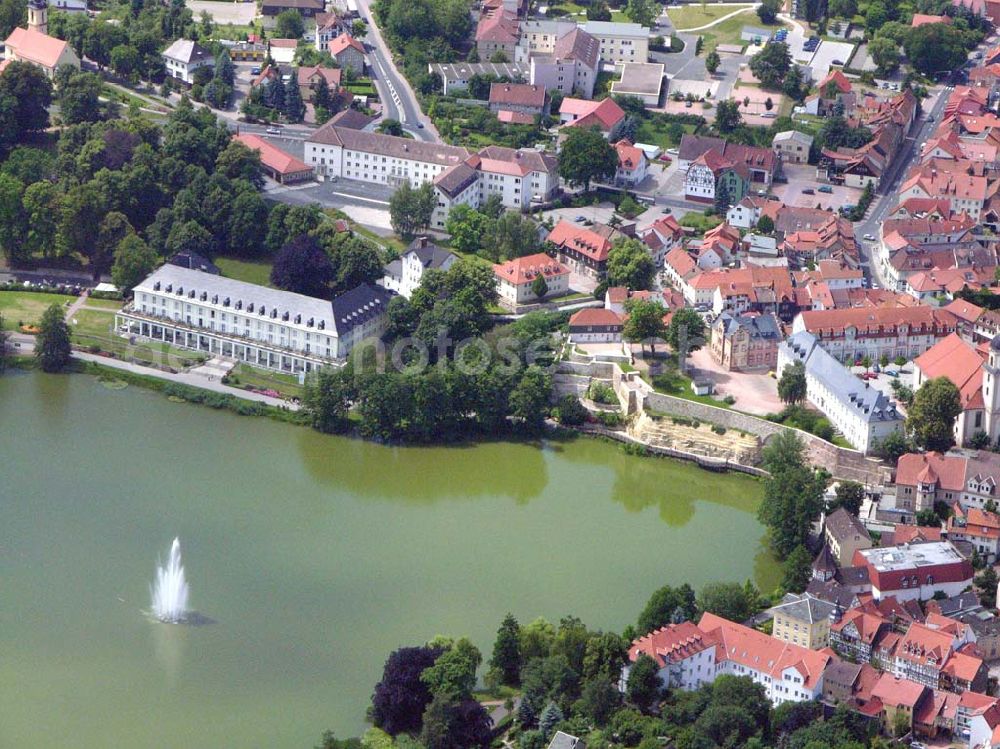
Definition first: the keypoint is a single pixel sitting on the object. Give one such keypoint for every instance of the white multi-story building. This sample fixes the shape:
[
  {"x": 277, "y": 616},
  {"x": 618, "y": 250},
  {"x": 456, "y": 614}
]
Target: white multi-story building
[
  {"x": 404, "y": 274},
  {"x": 861, "y": 413},
  {"x": 182, "y": 58},
  {"x": 620, "y": 42},
  {"x": 691, "y": 656},
  {"x": 263, "y": 327},
  {"x": 516, "y": 279},
  {"x": 519, "y": 176}
]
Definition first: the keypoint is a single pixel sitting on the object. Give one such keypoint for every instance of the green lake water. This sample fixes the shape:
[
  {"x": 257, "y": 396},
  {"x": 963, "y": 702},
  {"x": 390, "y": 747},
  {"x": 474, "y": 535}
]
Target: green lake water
[{"x": 314, "y": 556}]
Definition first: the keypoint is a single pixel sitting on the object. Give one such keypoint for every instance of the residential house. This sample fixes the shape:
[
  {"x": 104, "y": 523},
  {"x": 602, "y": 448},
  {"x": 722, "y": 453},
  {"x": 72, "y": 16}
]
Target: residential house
[
  {"x": 662, "y": 237},
  {"x": 863, "y": 414},
  {"x": 714, "y": 179},
  {"x": 455, "y": 76},
  {"x": 522, "y": 98},
  {"x": 854, "y": 634},
  {"x": 745, "y": 342},
  {"x": 516, "y": 279},
  {"x": 497, "y": 33},
  {"x": 328, "y": 27},
  {"x": 572, "y": 67},
  {"x": 620, "y": 42},
  {"x": 182, "y": 58},
  {"x": 746, "y": 213},
  {"x": 762, "y": 163},
  {"x": 844, "y": 534},
  {"x": 684, "y": 653},
  {"x": 833, "y": 92},
  {"x": 309, "y": 77},
  {"x": 897, "y": 700},
  {"x": 562, "y": 740},
  {"x": 833, "y": 239},
  {"x": 916, "y": 572},
  {"x": 584, "y": 248},
  {"x": 966, "y": 315},
  {"x": 851, "y": 334},
  {"x": 632, "y": 164},
  {"x": 604, "y": 114},
  {"x": 348, "y": 52},
  {"x": 595, "y": 326},
  {"x": 803, "y": 620},
  {"x": 978, "y": 527},
  {"x": 792, "y": 147},
  {"x": 969, "y": 478},
  {"x": 404, "y": 274}
]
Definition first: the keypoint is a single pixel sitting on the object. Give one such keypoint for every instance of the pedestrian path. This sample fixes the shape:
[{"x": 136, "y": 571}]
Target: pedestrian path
[{"x": 717, "y": 21}]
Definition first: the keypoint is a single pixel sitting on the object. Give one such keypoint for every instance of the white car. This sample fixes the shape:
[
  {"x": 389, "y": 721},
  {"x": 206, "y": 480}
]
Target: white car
[
  {"x": 673, "y": 151},
  {"x": 870, "y": 237},
  {"x": 274, "y": 131}
]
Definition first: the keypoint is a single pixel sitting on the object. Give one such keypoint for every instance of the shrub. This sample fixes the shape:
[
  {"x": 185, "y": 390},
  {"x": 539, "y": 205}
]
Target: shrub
[
  {"x": 729, "y": 400},
  {"x": 599, "y": 392},
  {"x": 718, "y": 429},
  {"x": 570, "y": 412}
]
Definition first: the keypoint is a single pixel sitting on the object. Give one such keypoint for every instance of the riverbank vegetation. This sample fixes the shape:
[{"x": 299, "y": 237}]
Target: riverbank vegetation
[{"x": 542, "y": 677}]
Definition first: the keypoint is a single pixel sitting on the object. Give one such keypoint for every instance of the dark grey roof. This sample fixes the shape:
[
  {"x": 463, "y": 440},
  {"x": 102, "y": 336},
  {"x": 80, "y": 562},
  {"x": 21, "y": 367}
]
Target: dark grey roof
[
  {"x": 982, "y": 623},
  {"x": 352, "y": 119},
  {"x": 360, "y": 304},
  {"x": 394, "y": 269},
  {"x": 832, "y": 591},
  {"x": 187, "y": 51},
  {"x": 825, "y": 562},
  {"x": 850, "y": 391},
  {"x": 388, "y": 145},
  {"x": 431, "y": 256},
  {"x": 842, "y": 672},
  {"x": 841, "y": 524},
  {"x": 194, "y": 261},
  {"x": 453, "y": 180},
  {"x": 805, "y": 607},
  {"x": 693, "y": 146},
  {"x": 760, "y": 327},
  {"x": 962, "y": 603},
  {"x": 853, "y": 576}
]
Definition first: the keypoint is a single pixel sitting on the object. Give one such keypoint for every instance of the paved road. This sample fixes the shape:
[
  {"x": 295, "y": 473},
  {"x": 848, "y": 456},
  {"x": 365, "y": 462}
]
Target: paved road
[
  {"x": 26, "y": 344},
  {"x": 887, "y": 194},
  {"x": 398, "y": 99}
]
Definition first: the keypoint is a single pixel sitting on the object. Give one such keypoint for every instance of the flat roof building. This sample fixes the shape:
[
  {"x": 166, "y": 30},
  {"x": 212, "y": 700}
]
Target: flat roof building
[
  {"x": 643, "y": 80},
  {"x": 916, "y": 572}
]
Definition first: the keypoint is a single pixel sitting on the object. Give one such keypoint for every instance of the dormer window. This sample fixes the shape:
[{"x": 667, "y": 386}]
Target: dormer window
[
  {"x": 215, "y": 299},
  {"x": 156, "y": 286},
  {"x": 203, "y": 297}
]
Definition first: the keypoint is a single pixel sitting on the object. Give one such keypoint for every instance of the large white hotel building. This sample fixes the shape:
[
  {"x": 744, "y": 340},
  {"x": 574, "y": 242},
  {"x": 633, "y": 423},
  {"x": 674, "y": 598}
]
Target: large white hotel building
[{"x": 264, "y": 327}]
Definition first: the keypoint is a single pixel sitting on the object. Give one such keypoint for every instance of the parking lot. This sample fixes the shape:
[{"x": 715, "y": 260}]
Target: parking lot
[
  {"x": 803, "y": 177},
  {"x": 238, "y": 14}
]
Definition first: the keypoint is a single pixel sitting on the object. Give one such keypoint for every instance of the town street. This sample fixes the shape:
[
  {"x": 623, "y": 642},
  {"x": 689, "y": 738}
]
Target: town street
[{"x": 887, "y": 194}]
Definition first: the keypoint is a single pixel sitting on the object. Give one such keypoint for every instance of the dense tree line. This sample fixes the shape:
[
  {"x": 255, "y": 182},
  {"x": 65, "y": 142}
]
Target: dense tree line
[
  {"x": 492, "y": 231},
  {"x": 423, "y": 31},
  {"x": 793, "y": 493}
]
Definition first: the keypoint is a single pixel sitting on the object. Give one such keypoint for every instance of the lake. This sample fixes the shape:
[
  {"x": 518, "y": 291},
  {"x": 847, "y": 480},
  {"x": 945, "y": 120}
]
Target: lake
[{"x": 313, "y": 556}]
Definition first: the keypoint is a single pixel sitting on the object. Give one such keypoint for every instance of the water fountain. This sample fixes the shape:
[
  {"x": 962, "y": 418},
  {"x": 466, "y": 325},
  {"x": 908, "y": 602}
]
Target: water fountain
[{"x": 170, "y": 593}]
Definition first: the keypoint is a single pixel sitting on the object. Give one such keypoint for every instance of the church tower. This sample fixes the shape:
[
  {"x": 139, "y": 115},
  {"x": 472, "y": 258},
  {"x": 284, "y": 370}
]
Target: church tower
[
  {"x": 991, "y": 391},
  {"x": 38, "y": 16}
]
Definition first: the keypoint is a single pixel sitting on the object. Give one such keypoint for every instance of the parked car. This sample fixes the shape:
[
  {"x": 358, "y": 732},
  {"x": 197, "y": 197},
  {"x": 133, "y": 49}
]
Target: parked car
[
  {"x": 870, "y": 237},
  {"x": 825, "y": 188},
  {"x": 808, "y": 191},
  {"x": 837, "y": 62},
  {"x": 274, "y": 131},
  {"x": 580, "y": 219},
  {"x": 255, "y": 70},
  {"x": 673, "y": 151}
]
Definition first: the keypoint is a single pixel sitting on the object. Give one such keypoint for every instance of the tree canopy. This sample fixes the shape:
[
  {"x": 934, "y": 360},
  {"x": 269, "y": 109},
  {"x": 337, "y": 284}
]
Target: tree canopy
[
  {"x": 931, "y": 417},
  {"x": 586, "y": 156}
]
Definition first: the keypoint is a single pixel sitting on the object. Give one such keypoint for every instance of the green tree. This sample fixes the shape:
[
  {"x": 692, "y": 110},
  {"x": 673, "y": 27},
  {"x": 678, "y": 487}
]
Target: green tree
[
  {"x": 768, "y": 11},
  {"x": 359, "y": 29},
  {"x": 52, "y": 344},
  {"x": 644, "y": 683},
  {"x": 630, "y": 265},
  {"x": 797, "y": 570},
  {"x": 390, "y": 126},
  {"x": 453, "y": 675},
  {"x": 792, "y": 384},
  {"x": 727, "y": 116},
  {"x": 645, "y": 323},
  {"x": 25, "y": 94},
  {"x": 794, "y": 84},
  {"x": 506, "y": 659},
  {"x": 666, "y": 605},
  {"x": 125, "y": 60},
  {"x": 585, "y": 157},
  {"x": 288, "y": 25},
  {"x": 467, "y": 227},
  {"x": 771, "y": 64},
  {"x": 885, "y": 53},
  {"x": 793, "y": 493},
  {"x": 643, "y": 12},
  {"x": 550, "y": 717},
  {"x": 78, "y": 98},
  {"x": 849, "y": 495},
  {"x": 410, "y": 210},
  {"x": 986, "y": 582},
  {"x": 935, "y": 48},
  {"x": 529, "y": 399},
  {"x": 599, "y": 699},
  {"x": 510, "y": 235},
  {"x": 731, "y": 601},
  {"x": 294, "y": 108},
  {"x": 765, "y": 225},
  {"x": 326, "y": 399},
  {"x": 13, "y": 219},
  {"x": 539, "y": 287},
  {"x": 133, "y": 261},
  {"x": 686, "y": 333},
  {"x": 712, "y": 62},
  {"x": 931, "y": 417}
]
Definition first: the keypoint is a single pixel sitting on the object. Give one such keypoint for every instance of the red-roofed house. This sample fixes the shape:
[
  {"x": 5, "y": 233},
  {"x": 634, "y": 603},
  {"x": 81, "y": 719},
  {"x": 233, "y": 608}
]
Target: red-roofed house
[
  {"x": 632, "y": 164},
  {"x": 583, "y": 248},
  {"x": 518, "y": 97},
  {"x": 279, "y": 166},
  {"x": 856, "y": 633},
  {"x": 516, "y": 279},
  {"x": 595, "y": 325},
  {"x": 978, "y": 527},
  {"x": 962, "y": 363},
  {"x": 662, "y": 237},
  {"x": 711, "y": 174},
  {"x": 915, "y": 572},
  {"x": 348, "y": 52},
  {"x": 603, "y": 114},
  {"x": 684, "y": 653},
  {"x": 922, "y": 19},
  {"x": 925, "y": 478},
  {"x": 897, "y": 697}
]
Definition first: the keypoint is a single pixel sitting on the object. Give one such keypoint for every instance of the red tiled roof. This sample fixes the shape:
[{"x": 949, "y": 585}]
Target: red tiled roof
[
  {"x": 922, "y": 19},
  {"x": 605, "y": 113},
  {"x": 876, "y": 320},
  {"x": 671, "y": 643},
  {"x": 524, "y": 269},
  {"x": 271, "y": 156},
  {"x": 581, "y": 239},
  {"x": 892, "y": 690},
  {"x": 515, "y": 118},
  {"x": 34, "y": 46},
  {"x": 595, "y": 316},
  {"x": 629, "y": 157},
  {"x": 963, "y": 667},
  {"x": 518, "y": 94},
  {"x": 339, "y": 43},
  {"x": 960, "y": 362}
]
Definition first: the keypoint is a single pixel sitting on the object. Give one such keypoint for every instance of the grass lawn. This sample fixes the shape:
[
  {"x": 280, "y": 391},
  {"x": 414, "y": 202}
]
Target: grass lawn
[
  {"x": 111, "y": 304},
  {"x": 693, "y": 16},
  {"x": 251, "y": 271},
  {"x": 26, "y": 307},
  {"x": 699, "y": 221},
  {"x": 655, "y": 131},
  {"x": 259, "y": 379},
  {"x": 674, "y": 382},
  {"x": 728, "y": 32},
  {"x": 92, "y": 322}
]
